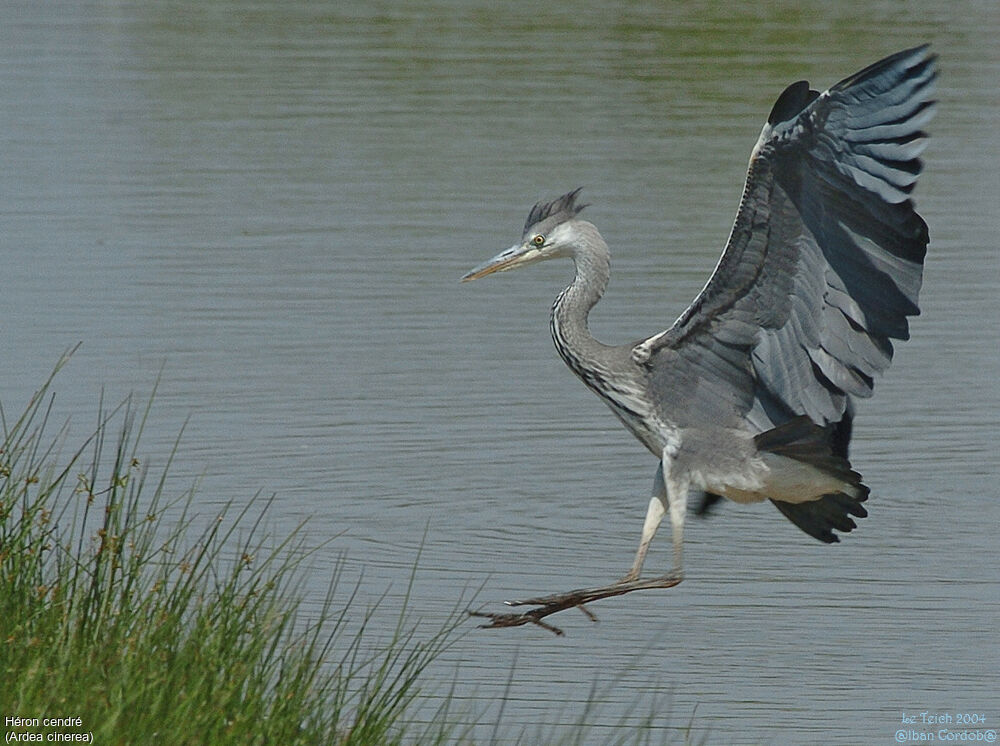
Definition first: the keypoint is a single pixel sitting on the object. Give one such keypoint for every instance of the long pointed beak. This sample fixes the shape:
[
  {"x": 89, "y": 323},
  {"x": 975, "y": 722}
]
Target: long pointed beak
[{"x": 516, "y": 256}]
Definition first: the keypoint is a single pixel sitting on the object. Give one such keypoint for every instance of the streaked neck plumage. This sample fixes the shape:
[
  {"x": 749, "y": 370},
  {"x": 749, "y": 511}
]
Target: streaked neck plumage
[
  {"x": 570, "y": 331},
  {"x": 607, "y": 370}
]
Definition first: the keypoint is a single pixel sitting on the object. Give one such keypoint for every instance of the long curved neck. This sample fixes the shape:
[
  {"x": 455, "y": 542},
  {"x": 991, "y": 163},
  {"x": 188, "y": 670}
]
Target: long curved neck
[{"x": 570, "y": 331}]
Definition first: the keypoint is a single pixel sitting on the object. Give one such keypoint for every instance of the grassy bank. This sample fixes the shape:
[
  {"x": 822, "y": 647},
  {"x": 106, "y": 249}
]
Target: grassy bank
[
  {"x": 128, "y": 621},
  {"x": 121, "y": 618}
]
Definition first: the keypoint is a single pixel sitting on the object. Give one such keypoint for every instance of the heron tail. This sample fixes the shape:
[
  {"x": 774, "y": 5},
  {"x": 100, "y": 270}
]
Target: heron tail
[{"x": 824, "y": 449}]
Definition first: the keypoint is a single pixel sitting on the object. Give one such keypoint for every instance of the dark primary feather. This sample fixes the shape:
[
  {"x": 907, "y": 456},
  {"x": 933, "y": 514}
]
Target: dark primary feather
[
  {"x": 792, "y": 101},
  {"x": 821, "y": 270}
]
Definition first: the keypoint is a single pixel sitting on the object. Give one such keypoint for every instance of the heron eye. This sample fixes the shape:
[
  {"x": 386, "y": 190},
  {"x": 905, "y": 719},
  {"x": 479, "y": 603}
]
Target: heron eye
[{"x": 538, "y": 240}]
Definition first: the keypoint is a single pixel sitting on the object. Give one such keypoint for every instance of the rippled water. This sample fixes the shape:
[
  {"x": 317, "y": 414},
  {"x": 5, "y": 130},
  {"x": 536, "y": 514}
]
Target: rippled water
[{"x": 272, "y": 202}]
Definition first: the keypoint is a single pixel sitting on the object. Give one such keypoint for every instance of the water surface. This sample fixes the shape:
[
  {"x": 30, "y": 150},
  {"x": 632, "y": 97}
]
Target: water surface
[{"x": 272, "y": 203}]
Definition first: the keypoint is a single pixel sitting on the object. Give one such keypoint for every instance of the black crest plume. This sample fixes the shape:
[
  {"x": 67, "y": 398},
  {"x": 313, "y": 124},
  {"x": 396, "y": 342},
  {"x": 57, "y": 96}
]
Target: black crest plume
[{"x": 558, "y": 210}]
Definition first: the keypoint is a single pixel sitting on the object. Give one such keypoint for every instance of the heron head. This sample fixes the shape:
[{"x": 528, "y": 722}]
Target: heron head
[{"x": 548, "y": 234}]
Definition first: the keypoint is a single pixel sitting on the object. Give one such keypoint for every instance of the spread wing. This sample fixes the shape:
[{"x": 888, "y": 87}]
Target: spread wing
[{"x": 823, "y": 265}]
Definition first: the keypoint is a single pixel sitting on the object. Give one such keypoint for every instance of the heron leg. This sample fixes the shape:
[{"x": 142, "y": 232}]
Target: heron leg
[
  {"x": 669, "y": 495},
  {"x": 654, "y": 514},
  {"x": 677, "y": 497}
]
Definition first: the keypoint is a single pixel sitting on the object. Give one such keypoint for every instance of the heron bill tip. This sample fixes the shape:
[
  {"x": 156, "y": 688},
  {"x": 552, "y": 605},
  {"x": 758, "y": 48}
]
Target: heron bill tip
[{"x": 508, "y": 259}]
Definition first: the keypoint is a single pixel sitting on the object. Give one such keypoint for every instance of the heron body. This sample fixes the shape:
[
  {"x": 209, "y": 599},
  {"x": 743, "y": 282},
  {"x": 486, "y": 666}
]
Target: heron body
[{"x": 750, "y": 394}]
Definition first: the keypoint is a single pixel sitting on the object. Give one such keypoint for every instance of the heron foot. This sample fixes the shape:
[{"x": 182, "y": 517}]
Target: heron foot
[{"x": 552, "y": 604}]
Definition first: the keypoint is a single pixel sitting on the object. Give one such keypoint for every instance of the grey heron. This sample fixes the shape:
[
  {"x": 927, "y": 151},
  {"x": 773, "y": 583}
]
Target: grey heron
[{"x": 750, "y": 394}]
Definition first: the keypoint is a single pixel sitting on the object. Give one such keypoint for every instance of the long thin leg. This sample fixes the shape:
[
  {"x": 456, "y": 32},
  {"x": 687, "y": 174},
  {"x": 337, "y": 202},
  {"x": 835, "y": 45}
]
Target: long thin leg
[
  {"x": 654, "y": 514},
  {"x": 674, "y": 492},
  {"x": 678, "y": 509}
]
